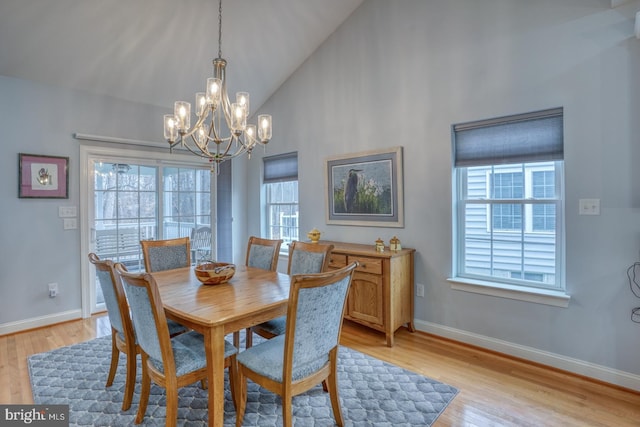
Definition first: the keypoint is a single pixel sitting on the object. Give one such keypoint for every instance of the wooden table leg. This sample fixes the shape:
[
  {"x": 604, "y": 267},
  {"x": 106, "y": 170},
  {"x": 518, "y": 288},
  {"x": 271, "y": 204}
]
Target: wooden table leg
[{"x": 214, "y": 346}]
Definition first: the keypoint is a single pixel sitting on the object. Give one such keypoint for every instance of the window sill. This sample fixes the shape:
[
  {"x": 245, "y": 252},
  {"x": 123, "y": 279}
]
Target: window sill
[{"x": 538, "y": 296}]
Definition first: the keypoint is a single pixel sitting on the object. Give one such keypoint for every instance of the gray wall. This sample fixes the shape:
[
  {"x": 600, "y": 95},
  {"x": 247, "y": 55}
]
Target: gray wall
[
  {"x": 34, "y": 248},
  {"x": 401, "y": 72}
]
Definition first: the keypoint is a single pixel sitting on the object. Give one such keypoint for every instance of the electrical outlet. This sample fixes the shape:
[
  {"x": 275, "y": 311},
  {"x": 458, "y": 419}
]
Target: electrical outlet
[
  {"x": 53, "y": 290},
  {"x": 419, "y": 289}
]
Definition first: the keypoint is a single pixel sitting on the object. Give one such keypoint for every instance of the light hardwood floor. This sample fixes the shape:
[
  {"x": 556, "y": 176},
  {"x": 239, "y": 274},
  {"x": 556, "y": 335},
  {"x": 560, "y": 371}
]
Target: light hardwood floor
[{"x": 494, "y": 390}]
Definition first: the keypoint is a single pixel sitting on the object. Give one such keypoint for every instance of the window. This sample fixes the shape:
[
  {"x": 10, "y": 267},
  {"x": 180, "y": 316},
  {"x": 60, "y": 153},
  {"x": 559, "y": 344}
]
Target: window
[
  {"x": 508, "y": 197},
  {"x": 281, "y": 194}
]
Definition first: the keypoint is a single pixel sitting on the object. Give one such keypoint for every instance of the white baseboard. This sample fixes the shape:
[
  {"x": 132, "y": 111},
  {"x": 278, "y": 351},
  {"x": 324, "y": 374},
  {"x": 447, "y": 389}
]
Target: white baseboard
[
  {"x": 576, "y": 366},
  {"x": 37, "y": 322}
]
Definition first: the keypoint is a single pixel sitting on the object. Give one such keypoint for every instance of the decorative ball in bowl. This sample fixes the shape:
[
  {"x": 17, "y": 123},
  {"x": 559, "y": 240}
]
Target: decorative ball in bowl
[{"x": 214, "y": 273}]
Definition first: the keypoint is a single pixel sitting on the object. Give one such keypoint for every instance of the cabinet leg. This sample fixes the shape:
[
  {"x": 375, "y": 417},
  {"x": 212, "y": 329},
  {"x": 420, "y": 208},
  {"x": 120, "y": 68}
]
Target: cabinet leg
[{"x": 389, "y": 339}]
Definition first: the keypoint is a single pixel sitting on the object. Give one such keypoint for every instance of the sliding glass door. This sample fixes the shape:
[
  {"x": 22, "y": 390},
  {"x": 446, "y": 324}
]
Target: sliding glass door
[{"x": 135, "y": 198}]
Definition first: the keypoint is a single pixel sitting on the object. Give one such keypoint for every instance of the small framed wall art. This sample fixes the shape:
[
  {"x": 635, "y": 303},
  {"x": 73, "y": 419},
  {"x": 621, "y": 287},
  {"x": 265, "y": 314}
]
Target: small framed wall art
[{"x": 43, "y": 177}]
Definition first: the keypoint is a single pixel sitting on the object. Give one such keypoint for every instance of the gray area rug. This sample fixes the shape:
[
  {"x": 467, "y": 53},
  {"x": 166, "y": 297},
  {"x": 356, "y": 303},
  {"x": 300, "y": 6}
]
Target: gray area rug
[{"x": 372, "y": 392}]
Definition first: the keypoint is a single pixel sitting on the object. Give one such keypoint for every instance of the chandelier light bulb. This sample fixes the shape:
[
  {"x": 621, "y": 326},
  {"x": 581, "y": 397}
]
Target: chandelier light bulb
[
  {"x": 214, "y": 86},
  {"x": 170, "y": 128},
  {"x": 238, "y": 117},
  {"x": 251, "y": 132},
  {"x": 201, "y": 103},
  {"x": 201, "y": 135},
  {"x": 182, "y": 111},
  {"x": 242, "y": 98},
  {"x": 264, "y": 129}
]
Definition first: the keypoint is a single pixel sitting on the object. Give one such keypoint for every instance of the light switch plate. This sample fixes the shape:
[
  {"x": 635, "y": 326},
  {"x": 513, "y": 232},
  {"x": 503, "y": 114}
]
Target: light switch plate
[
  {"x": 589, "y": 207},
  {"x": 67, "y": 211}
]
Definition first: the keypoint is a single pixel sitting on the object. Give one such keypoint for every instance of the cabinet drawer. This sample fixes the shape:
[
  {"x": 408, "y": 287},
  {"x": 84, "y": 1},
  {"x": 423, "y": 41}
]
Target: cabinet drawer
[
  {"x": 337, "y": 260},
  {"x": 367, "y": 265}
]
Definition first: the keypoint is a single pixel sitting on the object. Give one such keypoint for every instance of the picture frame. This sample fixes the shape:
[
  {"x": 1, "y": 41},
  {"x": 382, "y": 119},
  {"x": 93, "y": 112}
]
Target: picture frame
[
  {"x": 43, "y": 177},
  {"x": 365, "y": 189}
]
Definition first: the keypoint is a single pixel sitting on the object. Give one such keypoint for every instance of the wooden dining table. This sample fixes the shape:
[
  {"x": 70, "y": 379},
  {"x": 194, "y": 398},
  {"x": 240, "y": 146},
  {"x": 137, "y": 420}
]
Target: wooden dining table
[{"x": 251, "y": 297}]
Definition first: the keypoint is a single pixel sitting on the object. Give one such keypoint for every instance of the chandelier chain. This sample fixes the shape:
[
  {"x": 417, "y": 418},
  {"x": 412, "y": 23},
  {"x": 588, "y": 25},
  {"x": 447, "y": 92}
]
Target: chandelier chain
[{"x": 220, "y": 29}]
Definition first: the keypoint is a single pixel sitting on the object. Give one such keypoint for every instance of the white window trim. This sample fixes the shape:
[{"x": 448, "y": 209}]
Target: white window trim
[{"x": 535, "y": 295}]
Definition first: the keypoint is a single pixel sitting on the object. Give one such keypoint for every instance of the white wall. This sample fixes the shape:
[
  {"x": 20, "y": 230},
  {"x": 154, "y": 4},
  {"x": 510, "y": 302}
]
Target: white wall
[{"x": 402, "y": 72}]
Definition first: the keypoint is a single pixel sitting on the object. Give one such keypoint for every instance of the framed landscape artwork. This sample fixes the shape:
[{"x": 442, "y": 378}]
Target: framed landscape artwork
[
  {"x": 365, "y": 189},
  {"x": 43, "y": 176}
]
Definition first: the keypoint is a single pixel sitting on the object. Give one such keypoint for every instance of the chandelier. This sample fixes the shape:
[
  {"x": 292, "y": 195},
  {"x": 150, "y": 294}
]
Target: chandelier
[{"x": 207, "y": 138}]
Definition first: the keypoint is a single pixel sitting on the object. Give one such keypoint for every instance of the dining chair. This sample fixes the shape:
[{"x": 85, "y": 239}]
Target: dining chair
[
  {"x": 122, "y": 334},
  {"x": 200, "y": 243},
  {"x": 263, "y": 253},
  {"x": 171, "y": 363},
  {"x": 304, "y": 258},
  {"x": 307, "y": 353},
  {"x": 123, "y": 337},
  {"x": 166, "y": 254}
]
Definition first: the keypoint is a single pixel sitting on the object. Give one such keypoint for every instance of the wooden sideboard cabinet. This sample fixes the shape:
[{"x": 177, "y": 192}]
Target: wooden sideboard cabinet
[{"x": 381, "y": 295}]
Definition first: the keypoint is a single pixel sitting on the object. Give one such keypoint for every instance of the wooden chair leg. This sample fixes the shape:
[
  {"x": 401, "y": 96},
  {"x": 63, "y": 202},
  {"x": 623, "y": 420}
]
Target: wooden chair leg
[
  {"x": 115, "y": 356},
  {"x": 233, "y": 378},
  {"x": 130, "y": 380},
  {"x": 332, "y": 382},
  {"x": 241, "y": 396},
  {"x": 287, "y": 414},
  {"x": 172, "y": 407},
  {"x": 144, "y": 392}
]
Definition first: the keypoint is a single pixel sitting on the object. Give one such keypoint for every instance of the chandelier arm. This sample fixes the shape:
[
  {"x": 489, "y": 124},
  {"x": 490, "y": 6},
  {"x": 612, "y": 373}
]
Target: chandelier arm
[
  {"x": 194, "y": 128},
  {"x": 225, "y": 103},
  {"x": 202, "y": 153}
]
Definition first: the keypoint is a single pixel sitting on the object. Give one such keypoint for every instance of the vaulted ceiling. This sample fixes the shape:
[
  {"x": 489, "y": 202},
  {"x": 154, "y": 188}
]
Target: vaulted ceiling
[{"x": 159, "y": 51}]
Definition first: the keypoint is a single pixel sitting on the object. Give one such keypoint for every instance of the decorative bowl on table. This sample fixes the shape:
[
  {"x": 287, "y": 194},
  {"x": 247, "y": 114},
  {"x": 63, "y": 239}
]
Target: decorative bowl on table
[{"x": 214, "y": 273}]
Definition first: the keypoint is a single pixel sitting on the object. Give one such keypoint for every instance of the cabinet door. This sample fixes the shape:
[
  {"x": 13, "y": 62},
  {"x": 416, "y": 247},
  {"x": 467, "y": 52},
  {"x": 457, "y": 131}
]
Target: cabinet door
[{"x": 365, "y": 302}]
